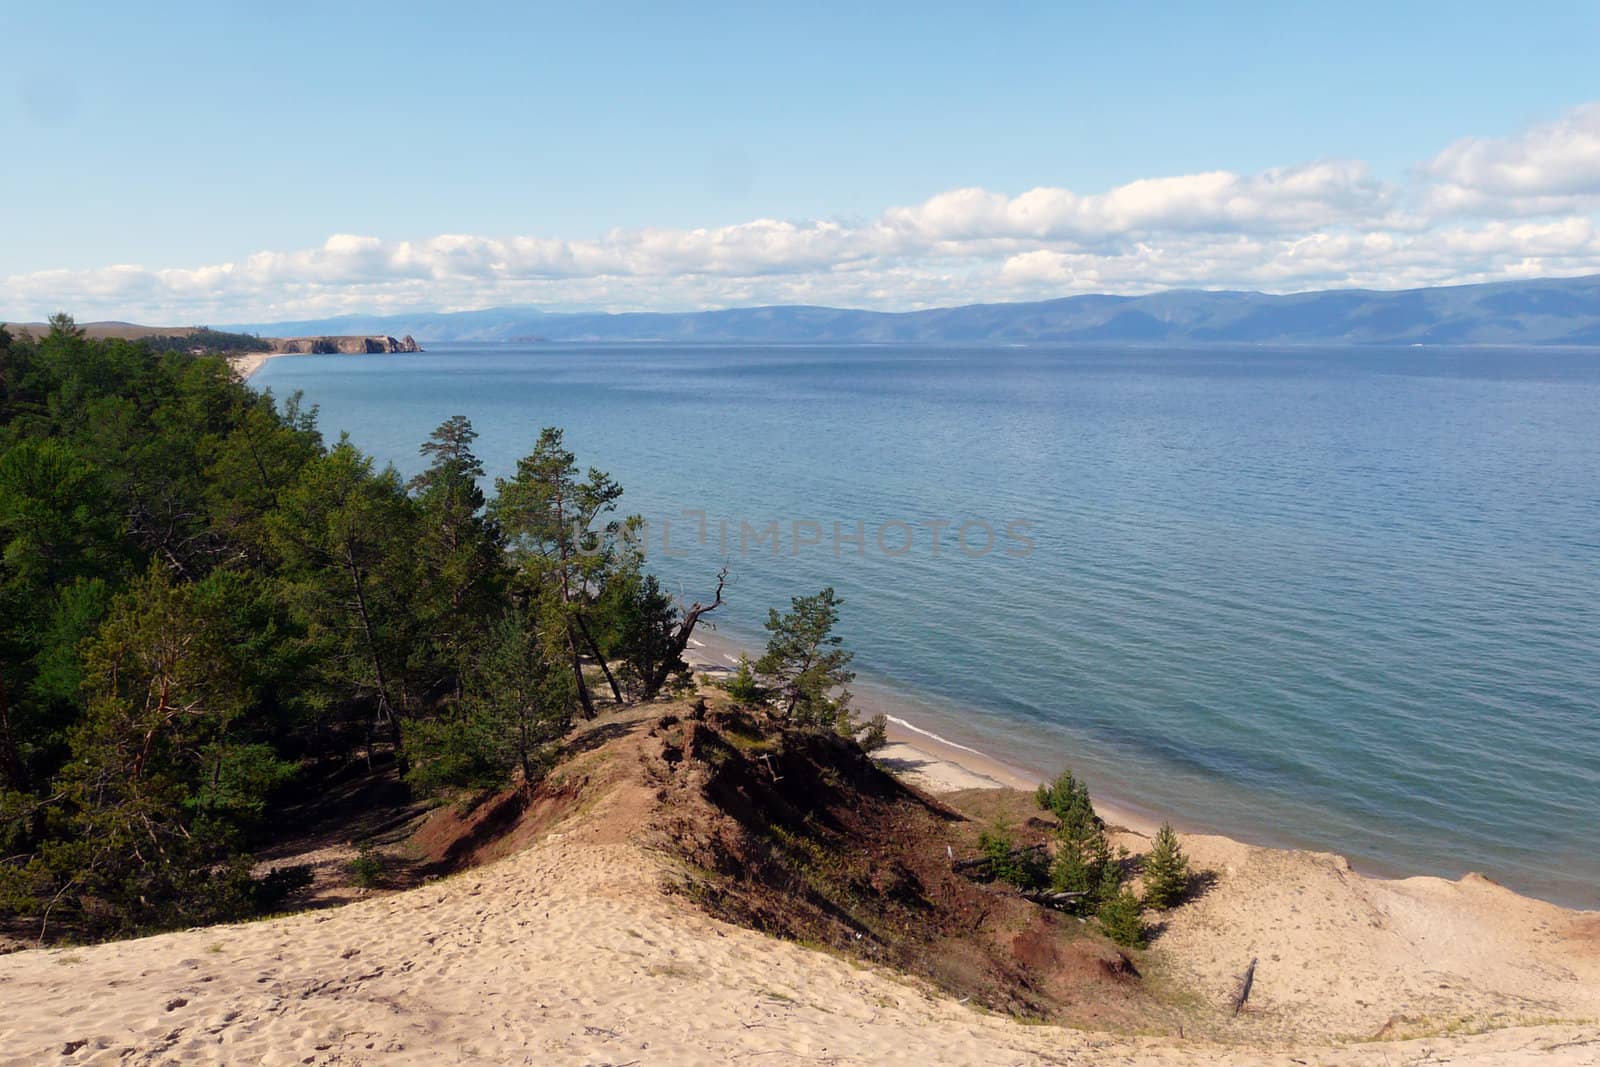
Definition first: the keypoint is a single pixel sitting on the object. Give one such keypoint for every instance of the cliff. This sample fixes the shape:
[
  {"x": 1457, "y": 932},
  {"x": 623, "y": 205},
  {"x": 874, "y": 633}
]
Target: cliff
[{"x": 342, "y": 345}]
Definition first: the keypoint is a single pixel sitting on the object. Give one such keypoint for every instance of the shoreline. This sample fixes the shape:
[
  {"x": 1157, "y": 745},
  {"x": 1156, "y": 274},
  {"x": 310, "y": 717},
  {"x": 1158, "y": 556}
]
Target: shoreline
[
  {"x": 928, "y": 759},
  {"x": 936, "y": 764},
  {"x": 246, "y": 365},
  {"x": 578, "y": 943}
]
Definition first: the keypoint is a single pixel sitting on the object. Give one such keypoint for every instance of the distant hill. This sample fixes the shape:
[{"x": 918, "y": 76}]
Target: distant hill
[
  {"x": 100, "y": 331},
  {"x": 1544, "y": 311}
]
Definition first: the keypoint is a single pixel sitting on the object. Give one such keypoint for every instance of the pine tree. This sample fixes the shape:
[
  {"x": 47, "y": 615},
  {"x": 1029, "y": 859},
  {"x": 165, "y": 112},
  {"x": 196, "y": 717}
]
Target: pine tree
[
  {"x": 1067, "y": 799},
  {"x": 1084, "y": 861},
  {"x": 349, "y": 533},
  {"x": 1166, "y": 870},
  {"x": 463, "y": 565},
  {"x": 517, "y": 704},
  {"x": 806, "y": 661},
  {"x": 1122, "y": 919},
  {"x": 872, "y": 734},
  {"x": 1022, "y": 869},
  {"x": 644, "y": 620},
  {"x": 548, "y": 511},
  {"x": 743, "y": 687},
  {"x": 163, "y": 780},
  {"x": 1069, "y": 873}
]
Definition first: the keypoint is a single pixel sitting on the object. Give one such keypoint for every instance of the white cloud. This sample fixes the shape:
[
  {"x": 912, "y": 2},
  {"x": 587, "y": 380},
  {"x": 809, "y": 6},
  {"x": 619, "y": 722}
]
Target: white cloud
[
  {"x": 1550, "y": 167},
  {"x": 1481, "y": 209},
  {"x": 1276, "y": 200}
]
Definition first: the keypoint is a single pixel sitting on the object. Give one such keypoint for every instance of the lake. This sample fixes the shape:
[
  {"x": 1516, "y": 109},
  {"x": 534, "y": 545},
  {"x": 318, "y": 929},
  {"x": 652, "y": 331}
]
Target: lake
[{"x": 1339, "y": 598}]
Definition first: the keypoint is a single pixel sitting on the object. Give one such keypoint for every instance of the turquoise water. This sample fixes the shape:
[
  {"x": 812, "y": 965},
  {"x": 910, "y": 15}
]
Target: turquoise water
[{"x": 1347, "y": 599}]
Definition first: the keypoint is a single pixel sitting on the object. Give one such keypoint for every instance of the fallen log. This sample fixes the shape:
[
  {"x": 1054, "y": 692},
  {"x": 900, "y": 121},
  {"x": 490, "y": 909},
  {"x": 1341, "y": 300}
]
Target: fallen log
[
  {"x": 984, "y": 863},
  {"x": 1059, "y": 901}
]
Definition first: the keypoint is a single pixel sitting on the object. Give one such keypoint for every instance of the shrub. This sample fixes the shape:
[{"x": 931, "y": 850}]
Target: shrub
[
  {"x": 271, "y": 891},
  {"x": 1166, "y": 870},
  {"x": 873, "y": 734},
  {"x": 1025, "y": 870},
  {"x": 1122, "y": 919},
  {"x": 743, "y": 686},
  {"x": 367, "y": 868}
]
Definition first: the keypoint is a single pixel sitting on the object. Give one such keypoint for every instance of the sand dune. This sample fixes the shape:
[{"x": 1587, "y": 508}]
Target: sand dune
[
  {"x": 571, "y": 952},
  {"x": 563, "y": 954}
]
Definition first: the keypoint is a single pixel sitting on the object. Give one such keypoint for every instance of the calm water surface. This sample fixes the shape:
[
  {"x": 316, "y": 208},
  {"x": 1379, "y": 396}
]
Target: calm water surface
[{"x": 1340, "y": 598}]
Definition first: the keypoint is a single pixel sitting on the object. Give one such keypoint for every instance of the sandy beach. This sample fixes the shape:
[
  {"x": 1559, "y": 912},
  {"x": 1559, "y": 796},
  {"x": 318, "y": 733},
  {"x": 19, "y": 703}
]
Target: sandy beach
[
  {"x": 570, "y": 951},
  {"x": 247, "y": 364},
  {"x": 922, "y": 756}
]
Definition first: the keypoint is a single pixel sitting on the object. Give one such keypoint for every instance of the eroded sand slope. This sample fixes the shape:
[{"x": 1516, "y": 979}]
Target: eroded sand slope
[{"x": 570, "y": 952}]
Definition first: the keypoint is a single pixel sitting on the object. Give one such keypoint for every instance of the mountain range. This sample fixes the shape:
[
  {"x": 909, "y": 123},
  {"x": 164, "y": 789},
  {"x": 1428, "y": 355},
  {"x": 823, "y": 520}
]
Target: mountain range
[{"x": 1541, "y": 311}]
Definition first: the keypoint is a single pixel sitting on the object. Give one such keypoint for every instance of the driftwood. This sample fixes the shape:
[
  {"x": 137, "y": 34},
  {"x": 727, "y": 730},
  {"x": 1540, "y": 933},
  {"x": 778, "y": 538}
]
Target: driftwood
[
  {"x": 984, "y": 864},
  {"x": 1059, "y": 901},
  {"x": 1246, "y": 980},
  {"x": 982, "y": 869}
]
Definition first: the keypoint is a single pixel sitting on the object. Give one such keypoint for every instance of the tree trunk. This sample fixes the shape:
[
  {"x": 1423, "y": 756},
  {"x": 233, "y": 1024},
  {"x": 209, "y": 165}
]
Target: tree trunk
[
  {"x": 11, "y": 776},
  {"x": 386, "y": 709},
  {"x": 584, "y": 698},
  {"x": 680, "y": 638},
  {"x": 594, "y": 650}
]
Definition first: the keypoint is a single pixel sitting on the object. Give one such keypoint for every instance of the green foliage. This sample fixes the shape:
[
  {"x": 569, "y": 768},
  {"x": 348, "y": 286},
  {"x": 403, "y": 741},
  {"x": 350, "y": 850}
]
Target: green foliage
[
  {"x": 805, "y": 661},
  {"x": 199, "y": 597},
  {"x": 1071, "y": 873},
  {"x": 1025, "y": 869},
  {"x": 463, "y": 567},
  {"x": 366, "y": 870},
  {"x": 743, "y": 686},
  {"x": 517, "y": 705},
  {"x": 347, "y": 532},
  {"x": 159, "y": 786},
  {"x": 207, "y": 340},
  {"x": 53, "y": 522},
  {"x": 1166, "y": 870},
  {"x": 1121, "y": 917},
  {"x": 549, "y": 510},
  {"x": 874, "y": 733},
  {"x": 1084, "y": 861},
  {"x": 1067, "y": 799},
  {"x": 195, "y": 597},
  {"x": 641, "y": 621}
]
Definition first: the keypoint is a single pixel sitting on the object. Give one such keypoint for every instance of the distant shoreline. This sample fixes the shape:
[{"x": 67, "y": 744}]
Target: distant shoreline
[
  {"x": 936, "y": 764},
  {"x": 1511, "y": 312},
  {"x": 247, "y": 364}
]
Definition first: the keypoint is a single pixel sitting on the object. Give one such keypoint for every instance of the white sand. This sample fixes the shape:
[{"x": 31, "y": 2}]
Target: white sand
[
  {"x": 570, "y": 952},
  {"x": 1340, "y": 953},
  {"x": 565, "y": 953},
  {"x": 247, "y": 364}
]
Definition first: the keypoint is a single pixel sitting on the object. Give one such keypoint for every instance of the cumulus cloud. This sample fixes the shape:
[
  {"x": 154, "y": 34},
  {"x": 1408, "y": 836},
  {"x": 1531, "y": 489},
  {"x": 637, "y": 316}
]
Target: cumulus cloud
[
  {"x": 1550, "y": 167},
  {"x": 1219, "y": 201},
  {"x": 1481, "y": 209}
]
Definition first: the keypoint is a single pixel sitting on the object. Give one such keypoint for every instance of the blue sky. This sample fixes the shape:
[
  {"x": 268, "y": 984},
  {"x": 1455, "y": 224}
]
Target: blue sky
[{"x": 583, "y": 147}]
